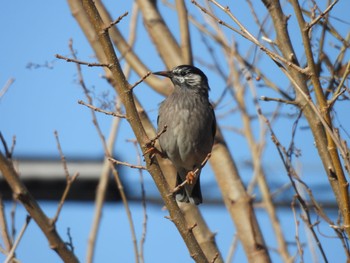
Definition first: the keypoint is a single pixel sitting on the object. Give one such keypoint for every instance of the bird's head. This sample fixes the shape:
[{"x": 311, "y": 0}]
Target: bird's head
[{"x": 187, "y": 77}]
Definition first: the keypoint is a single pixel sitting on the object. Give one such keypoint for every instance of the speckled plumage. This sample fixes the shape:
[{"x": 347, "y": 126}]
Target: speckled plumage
[{"x": 191, "y": 126}]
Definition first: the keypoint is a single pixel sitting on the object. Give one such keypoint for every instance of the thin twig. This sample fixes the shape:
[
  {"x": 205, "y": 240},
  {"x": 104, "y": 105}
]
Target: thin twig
[
  {"x": 107, "y": 151},
  {"x": 194, "y": 174},
  {"x": 8, "y": 152},
  {"x": 115, "y": 21},
  {"x": 291, "y": 102},
  {"x": 3, "y": 141},
  {"x": 322, "y": 15},
  {"x": 232, "y": 249},
  {"x": 144, "y": 206},
  {"x": 196, "y": 171},
  {"x": 135, "y": 122},
  {"x": 141, "y": 80},
  {"x": 257, "y": 149},
  {"x": 246, "y": 34},
  {"x": 5, "y": 88},
  {"x": 69, "y": 180},
  {"x": 127, "y": 70},
  {"x": 127, "y": 164},
  {"x": 150, "y": 144},
  {"x": 320, "y": 117},
  {"x": 185, "y": 36},
  {"x": 15, "y": 244},
  {"x": 63, "y": 158},
  {"x": 4, "y": 228},
  {"x": 92, "y": 107},
  {"x": 296, "y": 223},
  {"x": 13, "y": 220},
  {"x": 338, "y": 90},
  {"x": 70, "y": 242},
  {"x": 89, "y": 64},
  {"x": 293, "y": 176},
  {"x": 335, "y": 97},
  {"x": 101, "y": 189}
]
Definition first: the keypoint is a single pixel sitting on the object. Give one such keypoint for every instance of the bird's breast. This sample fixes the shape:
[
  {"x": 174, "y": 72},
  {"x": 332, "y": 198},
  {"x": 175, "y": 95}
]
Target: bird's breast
[{"x": 188, "y": 138}]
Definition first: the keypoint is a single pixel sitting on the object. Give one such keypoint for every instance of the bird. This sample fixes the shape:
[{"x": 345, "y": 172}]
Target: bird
[{"x": 190, "y": 128}]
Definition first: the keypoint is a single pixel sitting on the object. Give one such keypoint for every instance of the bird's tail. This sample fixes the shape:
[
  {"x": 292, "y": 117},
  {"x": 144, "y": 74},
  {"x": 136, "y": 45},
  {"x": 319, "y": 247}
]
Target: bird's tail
[{"x": 190, "y": 193}]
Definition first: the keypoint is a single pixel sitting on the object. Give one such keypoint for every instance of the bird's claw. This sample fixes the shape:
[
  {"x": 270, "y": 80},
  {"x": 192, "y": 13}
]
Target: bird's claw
[
  {"x": 190, "y": 177},
  {"x": 150, "y": 146}
]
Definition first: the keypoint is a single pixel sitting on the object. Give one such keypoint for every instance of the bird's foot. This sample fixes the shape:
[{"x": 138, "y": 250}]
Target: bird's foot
[
  {"x": 150, "y": 146},
  {"x": 191, "y": 176}
]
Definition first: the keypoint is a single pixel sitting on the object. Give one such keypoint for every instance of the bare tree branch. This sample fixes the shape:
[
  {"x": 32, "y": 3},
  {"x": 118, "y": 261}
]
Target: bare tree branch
[
  {"x": 15, "y": 244},
  {"x": 136, "y": 125},
  {"x": 22, "y": 194}
]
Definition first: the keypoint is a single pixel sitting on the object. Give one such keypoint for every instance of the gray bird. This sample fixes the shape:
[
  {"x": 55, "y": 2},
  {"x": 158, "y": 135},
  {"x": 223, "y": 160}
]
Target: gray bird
[{"x": 191, "y": 127}]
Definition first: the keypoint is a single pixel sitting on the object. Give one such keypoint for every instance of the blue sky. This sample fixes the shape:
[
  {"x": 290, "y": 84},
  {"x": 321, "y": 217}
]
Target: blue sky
[{"x": 44, "y": 99}]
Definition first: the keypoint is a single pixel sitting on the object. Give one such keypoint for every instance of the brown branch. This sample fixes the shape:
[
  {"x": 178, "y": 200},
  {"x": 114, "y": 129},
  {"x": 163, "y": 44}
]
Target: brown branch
[
  {"x": 3, "y": 141},
  {"x": 122, "y": 45},
  {"x": 229, "y": 179},
  {"x": 101, "y": 191},
  {"x": 186, "y": 50},
  {"x": 12, "y": 216},
  {"x": 89, "y": 64},
  {"x": 134, "y": 120},
  {"x": 238, "y": 201},
  {"x": 322, "y": 15},
  {"x": 22, "y": 194},
  {"x": 335, "y": 98},
  {"x": 4, "y": 228},
  {"x": 293, "y": 176},
  {"x": 324, "y": 136},
  {"x": 63, "y": 158},
  {"x": 193, "y": 174},
  {"x": 291, "y": 102},
  {"x": 115, "y": 21},
  {"x": 151, "y": 148},
  {"x": 227, "y": 49},
  {"x": 141, "y": 80},
  {"x": 338, "y": 91},
  {"x": 343, "y": 78},
  {"x": 160, "y": 33},
  {"x": 296, "y": 223},
  {"x": 204, "y": 234},
  {"x": 333, "y": 143},
  {"x": 144, "y": 206},
  {"x": 16, "y": 243},
  {"x": 256, "y": 149},
  {"x": 69, "y": 180},
  {"x": 92, "y": 107},
  {"x": 107, "y": 167},
  {"x": 114, "y": 161},
  {"x": 246, "y": 34},
  {"x": 150, "y": 144}
]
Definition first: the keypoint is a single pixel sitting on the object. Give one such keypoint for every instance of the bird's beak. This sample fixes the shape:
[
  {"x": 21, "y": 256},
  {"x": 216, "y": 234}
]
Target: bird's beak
[{"x": 163, "y": 73}]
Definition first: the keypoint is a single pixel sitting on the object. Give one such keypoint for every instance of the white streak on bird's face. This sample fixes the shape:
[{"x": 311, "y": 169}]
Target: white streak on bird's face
[
  {"x": 189, "y": 78},
  {"x": 193, "y": 79}
]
